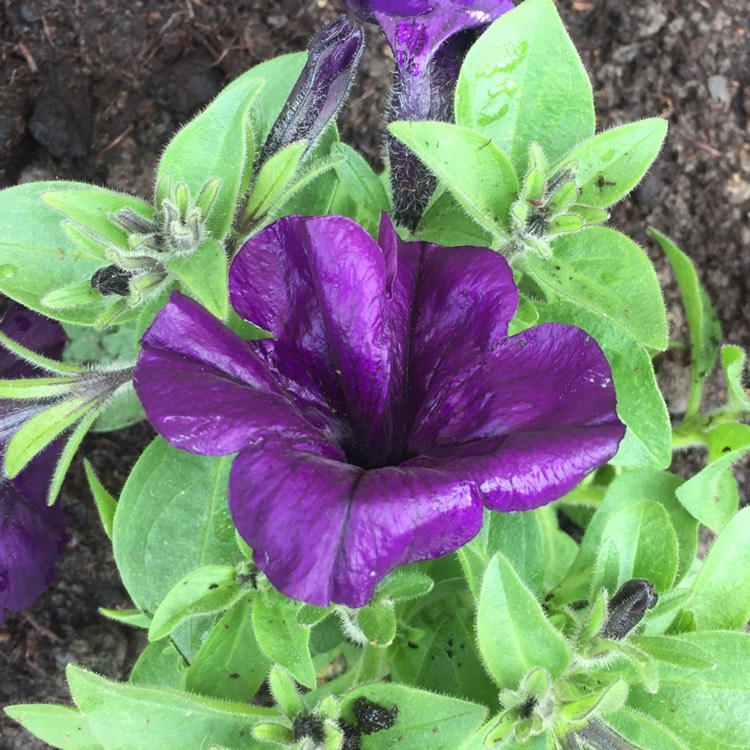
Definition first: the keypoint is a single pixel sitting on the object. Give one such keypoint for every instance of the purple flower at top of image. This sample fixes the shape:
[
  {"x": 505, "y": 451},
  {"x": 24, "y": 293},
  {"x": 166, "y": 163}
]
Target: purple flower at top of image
[
  {"x": 429, "y": 39},
  {"x": 389, "y": 407},
  {"x": 32, "y": 534}
]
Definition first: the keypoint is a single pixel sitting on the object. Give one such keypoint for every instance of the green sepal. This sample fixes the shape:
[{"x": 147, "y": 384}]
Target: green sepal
[
  {"x": 36, "y": 359},
  {"x": 402, "y": 585},
  {"x": 377, "y": 621},
  {"x": 105, "y": 502},
  {"x": 309, "y": 615},
  {"x": 285, "y": 692},
  {"x": 612, "y": 698},
  {"x": 76, "y": 295},
  {"x": 211, "y": 588},
  {"x": 39, "y": 431},
  {"x": 36, "y": 388},
  {"x": 72, "y": 443},
  {"x": 279, "y": 734},
  {"x": 91, "y": 207},
  {"x": 564, "y": 224},
  {"x": 273, "y": 178}
]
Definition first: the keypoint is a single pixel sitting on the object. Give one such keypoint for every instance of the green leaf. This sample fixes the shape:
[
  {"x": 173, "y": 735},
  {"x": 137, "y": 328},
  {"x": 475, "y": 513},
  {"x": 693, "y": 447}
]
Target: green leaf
[
  {"x": 519, "y": 536},
  {"x": 214, "y": 144},
  {"x": 643, "y": 731},
  {"x": 514, "y": 634},
  {"x": 706, "y": 495},
  {"x": 470, "y": 165},
  {"x": 273, "y": 178},
  {"x": 446, "y": 223},
  {"x": 606, "y": 273},
  {"x": 733, "y": 362},
  {"x": 204, "y": 276},
  {"x": 705, "y": 330},
  {"x": 172, "y": 517},
  {"x": 37, "y": 256},
  {"x": 62, "y": 727},
  {"x": 705, "y": 709},
  {"x": 377, "y": 621},
  {"x": 451, "y": 663},
  {"x": 160, "y": 665},
  {"x": 612, "y": 163},
  {"x": 230, "y": 663},
  {"x": 281, "y": 638},
  {"x": 523, "y": 82},
  {"x": 674, "y": 651},
  {"x": 133, "y": 617},
  {"x": 647, "y": 543},
  {"x": 362, "y": 185},
  {"x": 627, "y": 489},
  {"x": 39, "y": 431},
  {"x": 640, "y": 405},
  {"x": 205, "y": 590},
  {"x": 721, "y": 594},
  {"x": 124, "y": 717},
  {"x": 425, "y": 721}
]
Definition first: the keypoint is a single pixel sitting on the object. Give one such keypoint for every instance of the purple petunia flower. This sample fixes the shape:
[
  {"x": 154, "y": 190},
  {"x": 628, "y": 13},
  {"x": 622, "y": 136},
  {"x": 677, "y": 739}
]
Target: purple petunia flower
[
  {"x": 429, "y": 39},
  {"x": 389, "y": 407},
  {"x": 31, "y": 533}
]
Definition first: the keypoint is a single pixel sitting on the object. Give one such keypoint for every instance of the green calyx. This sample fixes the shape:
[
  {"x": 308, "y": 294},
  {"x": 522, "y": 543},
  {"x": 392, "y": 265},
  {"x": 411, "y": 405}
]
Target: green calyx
[{"x": 547, "y": 206}]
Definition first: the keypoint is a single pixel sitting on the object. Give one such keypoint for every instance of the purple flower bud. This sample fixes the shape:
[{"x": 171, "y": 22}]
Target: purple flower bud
[
  {"x": 429, "y": 39},
  {"x": 627, "y": 608},
  {"x": 322, "y": 87}
]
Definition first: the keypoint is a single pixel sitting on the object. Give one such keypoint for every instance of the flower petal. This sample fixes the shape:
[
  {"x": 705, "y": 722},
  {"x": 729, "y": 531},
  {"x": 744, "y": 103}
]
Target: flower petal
[
  {"x": 325, "y": 531},
  {"x": 206, "y": 390},
  {"x": 319, "y": 286},
  {"x": 527, "y": 422},
  {"x": 32, "y": 330},
  {"x": 463, "y": 303},
  {"x": 32, "y": 534},
  {"x": 416, "y": 37}
]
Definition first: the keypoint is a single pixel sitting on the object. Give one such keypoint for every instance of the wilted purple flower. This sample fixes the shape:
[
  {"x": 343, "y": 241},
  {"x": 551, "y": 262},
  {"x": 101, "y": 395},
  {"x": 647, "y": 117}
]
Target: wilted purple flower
[
  {"x": 387, "y": 409},
  {"x": 31, "y": 533},
  {"x": 627, "y": 608},
  {"x": 429, "y": 39}
]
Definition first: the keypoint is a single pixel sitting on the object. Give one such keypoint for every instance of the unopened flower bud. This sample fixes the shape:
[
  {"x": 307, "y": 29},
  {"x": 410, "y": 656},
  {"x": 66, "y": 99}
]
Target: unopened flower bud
[
  {"x": 112, "y": 280},
  {"x": 320, "y": 90},
  {"x": 627, "y": 608}
]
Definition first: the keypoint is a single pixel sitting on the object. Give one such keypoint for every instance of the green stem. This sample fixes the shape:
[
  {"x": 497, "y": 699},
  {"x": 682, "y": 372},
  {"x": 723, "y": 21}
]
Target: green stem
[{"x": 369, "y": 664}]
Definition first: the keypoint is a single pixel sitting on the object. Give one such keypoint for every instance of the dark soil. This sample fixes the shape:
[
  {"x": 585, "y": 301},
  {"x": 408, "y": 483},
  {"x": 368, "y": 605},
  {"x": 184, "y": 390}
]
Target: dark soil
[{"x": 93, "y": 89}]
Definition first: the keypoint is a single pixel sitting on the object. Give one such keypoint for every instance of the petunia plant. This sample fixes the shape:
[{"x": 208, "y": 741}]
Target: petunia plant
[{"x": 411, "y": 486}]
